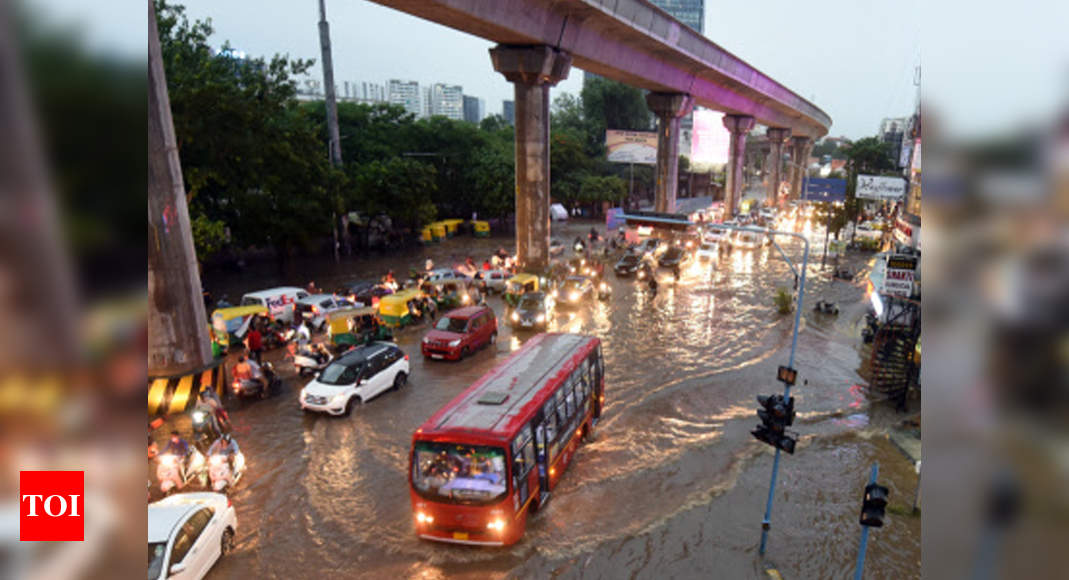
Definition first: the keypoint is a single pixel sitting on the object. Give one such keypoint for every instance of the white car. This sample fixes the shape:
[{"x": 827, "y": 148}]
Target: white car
[
  {"x": 714, "y": 234},
  {"x": 443, "y": 274},
  {"x": 748, "y": 239},
  {"x": 707, "y": 251},
  {"x": 356, "y": 377},
  {"x": 279, "y": 301},
  {"x": 316, "y": 307},
  {"x": 187, "y": 533},
  {"x": 496, "y": 280}
]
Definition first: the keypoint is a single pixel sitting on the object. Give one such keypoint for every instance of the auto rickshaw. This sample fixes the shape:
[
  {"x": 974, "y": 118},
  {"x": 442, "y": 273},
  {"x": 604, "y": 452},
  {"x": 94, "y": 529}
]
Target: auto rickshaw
[
  {"x": 451, "y": 226},
  {"x": 481, "y": 229},
  {"x": 394, "y": 308},
  {"x": 449, "y": 294},
  {"x": 519, "y": 285},
  {"x": 235, "y": 321},
  {"x": 426, "y": 237},
  {"x": 438, "y": 231},
  {"x": 354, "y": 326}
]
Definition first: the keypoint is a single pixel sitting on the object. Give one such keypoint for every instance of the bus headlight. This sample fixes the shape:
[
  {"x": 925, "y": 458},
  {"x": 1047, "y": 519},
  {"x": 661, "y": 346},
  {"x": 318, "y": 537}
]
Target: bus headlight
[
  {"x": 515, "y": 317},
  {"x": 573, "y": 296},
  {"x": 497, "y": 524},
  {"x": 424, "y": 518}
]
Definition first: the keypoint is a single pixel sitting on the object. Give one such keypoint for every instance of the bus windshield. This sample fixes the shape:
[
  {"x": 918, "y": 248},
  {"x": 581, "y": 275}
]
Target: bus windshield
[{"x": 457, "y": 473}]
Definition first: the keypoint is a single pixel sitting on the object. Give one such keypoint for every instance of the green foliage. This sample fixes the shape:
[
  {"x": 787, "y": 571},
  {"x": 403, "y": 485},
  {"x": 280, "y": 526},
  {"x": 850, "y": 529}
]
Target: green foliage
[
  {"x": 250, "y": 156},
  {"x": 399, "y": 187},
  {"x": 595, "y": 188},
  {"x": 612, "y": 105},
  {"x": 784, "y": 300},
  {"x": 208, "y": 235}
]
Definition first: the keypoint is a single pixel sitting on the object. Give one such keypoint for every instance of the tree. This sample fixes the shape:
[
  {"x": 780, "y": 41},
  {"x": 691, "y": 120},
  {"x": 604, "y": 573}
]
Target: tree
[
  {"x": 251, "y": 158},
  {"x": 611, "y": 105},
  {"x": 400, "y": 188}
]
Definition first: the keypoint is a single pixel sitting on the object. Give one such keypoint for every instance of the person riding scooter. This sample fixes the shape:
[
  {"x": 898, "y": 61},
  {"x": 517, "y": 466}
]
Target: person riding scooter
[{"x": 227, "y": 447}]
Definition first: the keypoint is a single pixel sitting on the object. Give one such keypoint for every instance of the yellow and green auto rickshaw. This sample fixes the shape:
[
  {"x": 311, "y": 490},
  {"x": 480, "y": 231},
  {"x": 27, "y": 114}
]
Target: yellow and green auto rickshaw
[
  {"x": 394, "y": 308},
  {"x": 426, "y": 237},
  {"x": 353, "y": 326},
  {"x": 438, "y": 230},
  {"x": 451, "y": 226},
  {"x": 481, "y": 229},
  {"x": 519, "y": 285},
  {"x": 449, "y": 294},
  {"x": 235, "y": 320}
]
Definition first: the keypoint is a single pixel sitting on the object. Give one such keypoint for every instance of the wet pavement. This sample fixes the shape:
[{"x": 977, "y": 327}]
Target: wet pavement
[{"x": 674, "y": 486}]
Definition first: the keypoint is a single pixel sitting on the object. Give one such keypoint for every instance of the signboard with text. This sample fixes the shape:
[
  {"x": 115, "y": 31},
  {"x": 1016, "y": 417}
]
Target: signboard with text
[
  {"x": 899, "y": 278},
  {"x": 881, "y": 188},
  {"x": 631, "y": 146},
  {"x": 819, "y": 189}
]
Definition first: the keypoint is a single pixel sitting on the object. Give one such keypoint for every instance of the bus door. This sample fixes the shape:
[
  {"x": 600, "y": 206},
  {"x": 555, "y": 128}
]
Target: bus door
[
  {"x": 598, "y": 371},
  {"x": 541, "y": 452}
]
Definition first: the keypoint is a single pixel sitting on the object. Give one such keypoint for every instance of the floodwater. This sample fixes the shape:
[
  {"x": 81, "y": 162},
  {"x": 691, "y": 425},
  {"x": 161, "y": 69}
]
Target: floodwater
[{"x": 674, "y": 486}]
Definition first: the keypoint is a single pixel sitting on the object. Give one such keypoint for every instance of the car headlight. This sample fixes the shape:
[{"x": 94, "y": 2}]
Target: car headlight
[
  {"x": 454, "y": 342},
  {"x": 573, "y": 296},
  {"x": 515, "y": 317},
  {"x": 426, "y": 339},
  {"x": 337, "y": 398},
  {"x": 603, "y": 286},
  {"x": 540, "y": 318}
]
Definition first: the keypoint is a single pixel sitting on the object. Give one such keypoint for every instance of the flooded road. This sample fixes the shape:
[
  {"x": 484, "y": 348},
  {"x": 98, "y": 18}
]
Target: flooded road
[{"x": 674, "y": 486}]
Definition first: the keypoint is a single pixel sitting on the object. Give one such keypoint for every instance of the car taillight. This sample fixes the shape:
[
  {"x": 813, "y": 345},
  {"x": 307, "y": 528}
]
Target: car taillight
[
  {"x": 228, "y": 502},
  {"x": 406, "y": 357}
]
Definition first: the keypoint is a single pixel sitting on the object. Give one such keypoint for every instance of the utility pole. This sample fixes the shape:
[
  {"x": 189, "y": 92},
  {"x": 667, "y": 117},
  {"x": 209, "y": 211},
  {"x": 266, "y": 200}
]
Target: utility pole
[
  {"x": 333, "y": 134},
  {"x": 177, "y": 323}
]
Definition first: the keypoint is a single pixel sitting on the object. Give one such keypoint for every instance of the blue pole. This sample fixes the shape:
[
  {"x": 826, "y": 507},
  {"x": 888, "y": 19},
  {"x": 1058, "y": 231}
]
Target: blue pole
[
  {"x": 766, "y": 523},
  {"x": 865, "y": 531}
]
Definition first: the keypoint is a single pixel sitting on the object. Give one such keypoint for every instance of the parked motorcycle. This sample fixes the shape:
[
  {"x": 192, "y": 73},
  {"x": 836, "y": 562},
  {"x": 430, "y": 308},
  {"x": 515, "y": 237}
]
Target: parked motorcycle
[
  {"x": 224, "y": 472},
  {"x": 173, "y": 472}
]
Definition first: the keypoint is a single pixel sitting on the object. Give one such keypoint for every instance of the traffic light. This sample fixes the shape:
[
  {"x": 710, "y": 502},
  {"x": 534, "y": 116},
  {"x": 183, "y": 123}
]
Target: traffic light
[
  {"x": 873, "y": 506},
  {"x": 776, "y": 414}
]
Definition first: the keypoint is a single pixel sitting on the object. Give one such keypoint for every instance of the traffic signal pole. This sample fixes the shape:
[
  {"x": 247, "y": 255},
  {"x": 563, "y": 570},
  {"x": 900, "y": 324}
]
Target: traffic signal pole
[{"x": 859, "y": 570}]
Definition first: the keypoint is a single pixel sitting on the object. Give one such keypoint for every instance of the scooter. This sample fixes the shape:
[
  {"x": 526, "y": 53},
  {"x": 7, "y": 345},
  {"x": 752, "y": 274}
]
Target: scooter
[
  {"x": 173, "y": 473},
  {"x": 309, "y": 362},
  {"x": 204, "y": 430},
  {"x": 253, "y": 387},
  {"x": 826, "y": 307},
  {"x": 604, "y": 291},
  {"x": 225, "y": 473}
]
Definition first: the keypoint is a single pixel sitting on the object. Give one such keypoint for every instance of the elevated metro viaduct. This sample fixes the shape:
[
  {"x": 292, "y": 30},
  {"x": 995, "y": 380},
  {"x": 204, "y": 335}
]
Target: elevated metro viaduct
[{"x": 634, "y": 42}]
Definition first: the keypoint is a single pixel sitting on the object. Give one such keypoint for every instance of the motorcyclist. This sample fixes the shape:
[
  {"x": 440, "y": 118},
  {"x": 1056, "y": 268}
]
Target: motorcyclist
[
  {"x": 176, "y": 445},
  {"x": 675, "y": 272},
  {"x": 652, "y": 285},
  {"x": 304, "y": 335},
  {"x": 211, "y": 412},
  {"x": 224, "y": 445},
  {"x": 258, "y": 374}
]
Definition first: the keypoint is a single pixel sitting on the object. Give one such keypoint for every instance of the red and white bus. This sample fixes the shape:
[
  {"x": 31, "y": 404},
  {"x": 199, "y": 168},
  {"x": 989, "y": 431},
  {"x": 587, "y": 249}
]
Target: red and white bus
[{"x": 485, "y": 461}]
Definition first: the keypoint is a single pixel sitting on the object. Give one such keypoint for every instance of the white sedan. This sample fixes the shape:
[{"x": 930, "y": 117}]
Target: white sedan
[
  {"x": 707, "y": 251},
  {"x": 187, "y": 533}
]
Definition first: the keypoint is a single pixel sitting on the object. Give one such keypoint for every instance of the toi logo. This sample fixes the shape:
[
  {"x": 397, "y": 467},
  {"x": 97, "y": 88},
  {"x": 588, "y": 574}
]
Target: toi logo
[{"x": 51, "y": 506}]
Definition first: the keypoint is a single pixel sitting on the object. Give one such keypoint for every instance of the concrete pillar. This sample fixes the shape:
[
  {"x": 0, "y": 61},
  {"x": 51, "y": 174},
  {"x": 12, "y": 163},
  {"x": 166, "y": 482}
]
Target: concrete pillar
[
  {"x": 532, "y": 70},
  {"x": 776, "y": 137},
  {"x": 800, "y": 148},
  {"x": 178, "y": 339},
  {"x": 739, "y": 126},
  {"x": 668, "y": 107}
]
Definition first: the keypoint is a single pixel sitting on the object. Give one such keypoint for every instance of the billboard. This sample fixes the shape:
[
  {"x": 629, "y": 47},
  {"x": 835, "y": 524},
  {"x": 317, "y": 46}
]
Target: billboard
[
  {"x": 818, "y": 189},
  {"x": 632, "y": 146},
  {"x": 882, "y": 188},
  {"x": 710, "y": 140}
]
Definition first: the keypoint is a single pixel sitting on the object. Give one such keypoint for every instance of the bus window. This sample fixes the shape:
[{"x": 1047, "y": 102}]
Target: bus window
[
  {"x": 570, "y": 402},
  {"x": 550, "y": 423},
  {"x": 469, "y": 474}
]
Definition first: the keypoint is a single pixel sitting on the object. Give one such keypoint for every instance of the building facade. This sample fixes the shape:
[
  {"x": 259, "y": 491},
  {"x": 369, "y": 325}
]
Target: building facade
[
  {"x": 508, "y": 111},
  {"x": 474, "y": 109},
  {"x": 406, "y": 94},
  {"x": 446, "y": 101},
  {"x": 894, "y": 131}
]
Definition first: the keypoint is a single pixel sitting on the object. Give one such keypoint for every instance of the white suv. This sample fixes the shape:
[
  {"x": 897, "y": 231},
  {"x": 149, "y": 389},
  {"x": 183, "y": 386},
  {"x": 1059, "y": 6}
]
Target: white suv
[{"x": 356, "y": 377}]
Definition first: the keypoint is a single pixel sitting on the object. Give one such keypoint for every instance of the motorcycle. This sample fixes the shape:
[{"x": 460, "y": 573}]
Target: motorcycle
[
  {"x": 172, "y": 472},
  {"x": 308, "y": 361},
  {"x": 604, "y": 291},
  {"x": 204, "y": 429},
  {"x": 225, "y": 473},
  {"x": 254, "y": 387}
]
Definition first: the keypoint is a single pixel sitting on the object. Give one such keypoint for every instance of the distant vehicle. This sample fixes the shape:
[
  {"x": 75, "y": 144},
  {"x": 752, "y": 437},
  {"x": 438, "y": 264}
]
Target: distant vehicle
[
  {"x": 707, "y": 252},
  {"x": 443, "y": 274},
  {"x": 187, "y": 533},
  {"x": 315, "y": 308},
  {"x": 650, "y": 247},
  {"x": 279, "y": 301},
  {"x": 628, "y": 265},
  {"x": 868, "y": 230},
  {"x": 748, "y": 239},
  {"x": 494, "y": 280},
  {"x": 575, "y": 290},
  {"x": 714, "y": 234},
  {"x": 494, "y": 454},
  {"x": 363, "y": 293},
  {"x": 674, "y": 256},
  {"x": 356, "y": 377},
  {"x": 459, "y": 332},
  {"x": 555, "y": 247},
  {"x": 534, "y": 310}
]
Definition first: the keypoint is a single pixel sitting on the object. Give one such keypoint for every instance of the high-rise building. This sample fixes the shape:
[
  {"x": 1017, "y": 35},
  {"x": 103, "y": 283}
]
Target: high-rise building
[
  {"x": 892, "y": 132},
  {"x": 447, "y": 101},
  {"x": 691, "y": 13},
  {"x": 508, "y": 111},
  {"x": 474, "y": 109},
  {"x": 428, "y": 108},
  {"x": 405, "y": 93}
]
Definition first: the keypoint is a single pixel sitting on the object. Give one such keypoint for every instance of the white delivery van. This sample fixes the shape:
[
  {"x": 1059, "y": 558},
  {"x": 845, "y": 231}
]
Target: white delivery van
[{"x": 279, "y": 301}]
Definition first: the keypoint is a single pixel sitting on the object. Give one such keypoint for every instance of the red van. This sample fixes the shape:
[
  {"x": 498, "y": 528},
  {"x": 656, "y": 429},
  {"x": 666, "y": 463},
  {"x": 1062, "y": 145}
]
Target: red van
[{"x": 459, "y": 332}]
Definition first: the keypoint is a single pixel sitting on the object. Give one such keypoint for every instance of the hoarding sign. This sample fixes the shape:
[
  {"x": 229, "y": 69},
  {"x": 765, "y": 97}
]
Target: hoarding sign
[
  {"x": 819, "y": 189},
  {"x": 632, "y": 146},
  {"x": 899, "y": 278},
  {"x": 882, "y": 188},
  {"x": 710, "y": 139}
]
